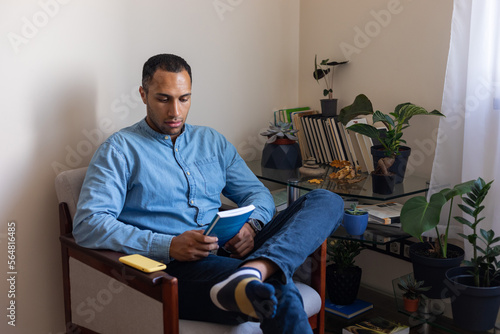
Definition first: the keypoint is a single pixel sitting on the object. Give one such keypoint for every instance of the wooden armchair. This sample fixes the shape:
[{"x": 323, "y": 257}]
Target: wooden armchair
[{"x": 101, "y": 295}]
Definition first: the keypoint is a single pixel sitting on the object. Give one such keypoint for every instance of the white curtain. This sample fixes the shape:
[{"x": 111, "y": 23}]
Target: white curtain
[{"x": 468, "y": 144}]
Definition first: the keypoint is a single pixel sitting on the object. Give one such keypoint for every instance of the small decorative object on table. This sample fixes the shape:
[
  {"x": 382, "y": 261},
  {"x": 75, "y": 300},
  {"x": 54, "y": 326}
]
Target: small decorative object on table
[
  {"x": 355, "y": 220},
  {"x": 329, "y": 105},
  {"x": 412, "y": 292},
  {"x": 343, "y": 277},
  {"x": 377, "y": 325},
  {"x": 391, "y": 157},
  {"x": 311, "y": 168},
  {"x": 344, "y": 172},
  {"x": 281, "y": 150}
]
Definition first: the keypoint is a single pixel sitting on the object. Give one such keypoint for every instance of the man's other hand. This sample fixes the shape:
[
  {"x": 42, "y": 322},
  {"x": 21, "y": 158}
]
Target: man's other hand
[
  {"x": 242, "y": 243},
  {"x": 192, "y": 245}
]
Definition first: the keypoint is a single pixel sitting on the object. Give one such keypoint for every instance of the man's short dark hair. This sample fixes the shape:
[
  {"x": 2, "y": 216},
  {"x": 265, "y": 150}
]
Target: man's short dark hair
[{"x": 166, "y": 62}]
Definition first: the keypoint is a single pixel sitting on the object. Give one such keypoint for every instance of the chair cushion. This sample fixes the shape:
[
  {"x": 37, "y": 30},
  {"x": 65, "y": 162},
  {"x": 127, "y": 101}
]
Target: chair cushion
[
  {"x": 68, "y": 186},
  {"x": 104, "y": 305}
]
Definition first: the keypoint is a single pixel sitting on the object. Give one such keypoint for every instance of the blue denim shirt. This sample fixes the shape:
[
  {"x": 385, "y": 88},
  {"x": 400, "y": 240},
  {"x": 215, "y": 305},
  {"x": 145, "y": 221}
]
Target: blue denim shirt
[{"x": 141, "y": 190}]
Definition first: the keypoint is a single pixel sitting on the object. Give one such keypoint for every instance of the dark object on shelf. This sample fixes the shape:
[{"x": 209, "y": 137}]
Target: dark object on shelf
[
  {"x": 383, "y": 184},
  {"x": 342, "y": 285},
  {"x": 432, "y": 270},
  {"x": 400, "y": 162},
  {"x": 329, "y": 107},
  {"x": 348, "y": 311},
  {"x": 281, "y": 156},
  {"x": 474, "y": 308}
]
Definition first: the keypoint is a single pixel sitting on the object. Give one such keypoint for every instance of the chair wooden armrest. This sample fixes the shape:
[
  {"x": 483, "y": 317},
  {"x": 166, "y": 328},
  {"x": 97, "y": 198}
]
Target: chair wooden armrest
[{"x": 158, "y": 285}]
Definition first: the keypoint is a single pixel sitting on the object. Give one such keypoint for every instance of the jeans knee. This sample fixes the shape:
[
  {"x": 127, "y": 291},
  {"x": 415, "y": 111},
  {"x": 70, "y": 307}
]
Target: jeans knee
[{"x": 328, "y": 198}]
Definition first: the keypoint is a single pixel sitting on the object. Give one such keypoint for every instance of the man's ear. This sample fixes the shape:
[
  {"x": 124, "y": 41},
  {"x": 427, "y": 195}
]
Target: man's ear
[{"x": 143, "y": 93}]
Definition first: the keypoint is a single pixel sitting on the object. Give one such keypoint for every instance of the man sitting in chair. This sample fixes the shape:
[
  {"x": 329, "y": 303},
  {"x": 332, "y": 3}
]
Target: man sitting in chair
[{"x": 152, "y": 188}]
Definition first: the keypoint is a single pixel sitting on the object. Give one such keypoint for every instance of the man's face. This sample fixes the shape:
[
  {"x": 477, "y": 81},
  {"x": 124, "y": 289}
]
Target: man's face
[{"x": 168, "y": 100}]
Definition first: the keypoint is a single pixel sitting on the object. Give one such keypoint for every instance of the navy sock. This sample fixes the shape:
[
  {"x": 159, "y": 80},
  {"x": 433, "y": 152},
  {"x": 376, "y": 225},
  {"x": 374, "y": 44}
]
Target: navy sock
[{"x": 245, "y": 292}]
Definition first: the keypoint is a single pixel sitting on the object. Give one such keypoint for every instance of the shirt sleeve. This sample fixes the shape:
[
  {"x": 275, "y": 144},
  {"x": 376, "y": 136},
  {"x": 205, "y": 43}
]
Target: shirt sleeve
[
  {"x": 244, "y": 188},
  {"x": 101, "y": 200}
]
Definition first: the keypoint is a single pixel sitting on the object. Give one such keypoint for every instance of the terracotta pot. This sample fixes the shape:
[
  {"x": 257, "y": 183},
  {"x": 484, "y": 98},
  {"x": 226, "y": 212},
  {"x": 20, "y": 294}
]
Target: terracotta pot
[
  {"x": 411, "y": 305},
  {"x": 283, "y": 141}
]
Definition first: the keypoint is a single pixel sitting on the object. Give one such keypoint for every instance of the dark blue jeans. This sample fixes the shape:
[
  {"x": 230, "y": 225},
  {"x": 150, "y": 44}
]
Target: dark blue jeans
[{"x": 287, "y": 240}]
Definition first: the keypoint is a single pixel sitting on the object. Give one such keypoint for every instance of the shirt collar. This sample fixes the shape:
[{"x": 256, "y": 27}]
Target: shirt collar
[{"x": 146, "y": 128}]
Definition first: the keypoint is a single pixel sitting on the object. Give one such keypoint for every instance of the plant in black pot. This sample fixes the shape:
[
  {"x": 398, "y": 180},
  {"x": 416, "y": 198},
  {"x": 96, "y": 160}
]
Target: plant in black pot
[
  {"x": 412, "y": 292},
  {"x": 390, "y": 157},
  {"x": 432, "y": 260},
  {"x": 475, "y": 287},
  {"x": 281, "y": 150},
  {"x": 343, "y": 277},
  {"x": 355, "y": 220},
  {"x": 324, "y": 70}
]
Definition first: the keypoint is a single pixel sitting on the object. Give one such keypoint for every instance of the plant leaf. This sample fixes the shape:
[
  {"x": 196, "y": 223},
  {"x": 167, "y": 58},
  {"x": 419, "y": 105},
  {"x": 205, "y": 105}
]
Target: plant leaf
[
  {"x": 418, "y": 215},
  {"x": 361, "y": 106},
  {"x": 365, "y": 129}
]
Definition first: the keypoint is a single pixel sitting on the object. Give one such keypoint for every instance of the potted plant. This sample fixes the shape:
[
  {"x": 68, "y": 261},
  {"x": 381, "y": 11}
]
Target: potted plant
[
  {"x": 475, "y": 287},
  {"x": 321, "y": 71},
  {"x": 355, "y": 220},
  {"x": 281, "y": 150},
  {"x": 412, "y": 292},
  {"x": 342, "y": 275},
  {"x": 432, "y": 260},
  {"x": 391, "y": 156}
]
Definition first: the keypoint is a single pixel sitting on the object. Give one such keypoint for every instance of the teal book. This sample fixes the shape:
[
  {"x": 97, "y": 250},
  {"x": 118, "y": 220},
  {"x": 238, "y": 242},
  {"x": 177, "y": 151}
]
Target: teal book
[
  {"x": 348, "y": 311},
  {"x": 226, "y": 224}
]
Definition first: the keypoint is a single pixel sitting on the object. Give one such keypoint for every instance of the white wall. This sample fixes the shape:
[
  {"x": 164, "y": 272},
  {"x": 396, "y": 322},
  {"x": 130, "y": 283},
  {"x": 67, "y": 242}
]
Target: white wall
[{"x": 71, "y": 79}]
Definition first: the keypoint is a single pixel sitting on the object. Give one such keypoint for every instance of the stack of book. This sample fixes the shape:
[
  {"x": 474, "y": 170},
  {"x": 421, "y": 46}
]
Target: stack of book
[
  {"x": 384, "y": 213},
  {"x": 326, "y": 139}
]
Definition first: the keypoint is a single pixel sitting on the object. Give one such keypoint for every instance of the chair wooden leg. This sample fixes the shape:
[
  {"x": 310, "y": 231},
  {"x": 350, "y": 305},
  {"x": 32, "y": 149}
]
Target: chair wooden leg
[{"x": 170, "y": 307}]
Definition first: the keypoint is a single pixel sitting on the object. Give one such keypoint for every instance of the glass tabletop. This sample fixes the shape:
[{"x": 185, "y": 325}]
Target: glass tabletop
[
  {"x": 362, "y": 189},
  {"x": 375, "y": 234}
]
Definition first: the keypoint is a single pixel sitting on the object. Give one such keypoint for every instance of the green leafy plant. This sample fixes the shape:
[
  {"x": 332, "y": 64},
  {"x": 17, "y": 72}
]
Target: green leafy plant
[
  {"x": 343, "y": 252},
  {"x": 419, "y": 215},
  {"x": 355, "y": 211},
  {"x": 412, "y": 289},
  {"x": 395, "y": 123},
  {"x": 322, "y": 70},
  {"x": 281, "y": 130},
  {"x": 484, "y": 262}
]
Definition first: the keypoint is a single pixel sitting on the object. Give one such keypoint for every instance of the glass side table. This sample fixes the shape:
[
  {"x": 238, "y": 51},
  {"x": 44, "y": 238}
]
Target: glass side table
[
  {"x": 375, "y": 235},
  {"x": 431, "y": 314},
  {"x": 292, "y": 178}
]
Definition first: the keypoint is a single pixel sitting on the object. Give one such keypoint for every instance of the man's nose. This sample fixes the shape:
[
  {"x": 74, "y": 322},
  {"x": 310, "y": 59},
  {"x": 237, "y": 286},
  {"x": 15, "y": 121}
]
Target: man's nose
[{"x": 175, "y": 109}]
